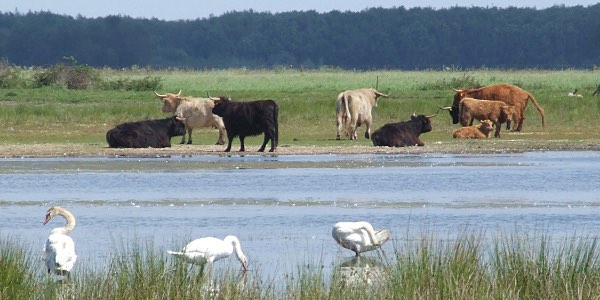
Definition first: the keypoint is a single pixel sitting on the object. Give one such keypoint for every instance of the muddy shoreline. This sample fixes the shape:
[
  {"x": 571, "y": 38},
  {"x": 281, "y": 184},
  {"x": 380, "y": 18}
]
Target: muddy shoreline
[{"x": 455, "y": 146}]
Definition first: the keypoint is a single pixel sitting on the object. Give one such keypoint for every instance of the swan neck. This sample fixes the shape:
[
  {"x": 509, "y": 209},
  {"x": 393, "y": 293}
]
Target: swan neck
[
  {"x": 371, "y": 233},
  {"x": 70, "y": 220},
  {"x": 237, "y": 248}
]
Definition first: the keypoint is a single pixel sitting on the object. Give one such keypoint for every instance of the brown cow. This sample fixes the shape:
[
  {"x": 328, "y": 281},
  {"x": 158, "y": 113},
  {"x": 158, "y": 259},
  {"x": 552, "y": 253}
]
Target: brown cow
[
  {"x": 507, "y": 93},
  {"x": 496, "y": 111},
  {"x": 353, "y": 108},
  {"x": 194, "y": 112},
  {"x": 481, "y": 131}
]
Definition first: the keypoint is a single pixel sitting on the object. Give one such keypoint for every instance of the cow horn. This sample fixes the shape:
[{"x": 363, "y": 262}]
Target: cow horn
[
  {"x": 178, "y": 94},
  {"x": 458, "y": 91},
  {"x": 449, "y": 108},
  {"x": 159, "y": 95},
  {"x": 381, "y": 94},
  {"x": 211, "y": 98},
  {"x": 180, "y": 118}
]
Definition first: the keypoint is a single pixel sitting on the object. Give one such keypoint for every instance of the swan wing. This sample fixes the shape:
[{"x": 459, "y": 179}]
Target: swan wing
[
  {"x": 208, "y": 248},
  {"x": 59, "y": 253}
]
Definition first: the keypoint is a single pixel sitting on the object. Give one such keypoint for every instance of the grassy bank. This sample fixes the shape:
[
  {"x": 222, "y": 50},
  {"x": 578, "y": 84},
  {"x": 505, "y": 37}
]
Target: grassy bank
[
  {"x": 469, "y": 267},
  {"x": 306, "y": 99}
]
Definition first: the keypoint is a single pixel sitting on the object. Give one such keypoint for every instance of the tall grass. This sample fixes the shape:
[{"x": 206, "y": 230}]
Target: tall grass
[
  {"x": 306, "y": 100},
  {"x": 470, "y": 266}
]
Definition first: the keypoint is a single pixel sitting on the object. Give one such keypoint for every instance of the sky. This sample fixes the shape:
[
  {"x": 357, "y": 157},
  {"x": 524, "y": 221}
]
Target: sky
[{"x": 192, "y": 9}]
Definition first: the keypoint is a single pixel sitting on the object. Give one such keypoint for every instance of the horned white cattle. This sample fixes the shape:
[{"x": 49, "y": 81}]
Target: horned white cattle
[
  {"x": 194, "y": 112},
  {"x": 353, "y": 108}
]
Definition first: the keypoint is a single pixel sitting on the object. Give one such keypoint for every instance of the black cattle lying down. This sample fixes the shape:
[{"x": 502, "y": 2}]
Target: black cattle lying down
[
  {"x": 402, "y": 134},
  {"x": 143, "y": 134},
  {"x": 247, "y": 119}
]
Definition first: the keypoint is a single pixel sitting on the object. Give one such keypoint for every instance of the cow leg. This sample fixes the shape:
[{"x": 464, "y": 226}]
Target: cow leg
[
  {"x": 265, "y": 141},
  {"x": 230, "y": 139},
  {"x": 368, "y": 131},
  {"x": 338, "y": 124},
  {"x": 498, "y": 127},
  {"x": 242, "y": 149},
  {"x": 189, "y": 136},
  {"x": 183, "y": 137},
  {"x": 520, "y": 122},
  {"x": 507, "y": 124}
]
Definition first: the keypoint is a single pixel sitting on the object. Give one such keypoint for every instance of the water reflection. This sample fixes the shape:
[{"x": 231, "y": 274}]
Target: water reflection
[{"x": 360, "y": 271}]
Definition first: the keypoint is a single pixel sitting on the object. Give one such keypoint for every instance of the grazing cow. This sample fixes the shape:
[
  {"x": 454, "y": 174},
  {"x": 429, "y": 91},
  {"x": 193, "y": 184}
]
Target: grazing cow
[
  {"x": 481, "y": 131},
  {"x": 194, "y": 112},
  {"x": 353, "y": 108},
  {"x": 507, "y": 93},
  {"x": 402, "y": 134},
  {"x": 496, "y": 111},
  {"x": 247, "y": 119},
  {"x": 143, "y": 134}
]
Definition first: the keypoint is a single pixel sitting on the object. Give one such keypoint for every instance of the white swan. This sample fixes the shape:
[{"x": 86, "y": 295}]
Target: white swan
[
  {"x": 59, "y": 249},
  {"x": 210, "y": 249},
  {"x": 359, "y": 236}
]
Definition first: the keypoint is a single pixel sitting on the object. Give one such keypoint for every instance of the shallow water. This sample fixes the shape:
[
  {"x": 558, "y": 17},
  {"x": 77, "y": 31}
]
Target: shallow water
[{"x": 282, "y": 208}]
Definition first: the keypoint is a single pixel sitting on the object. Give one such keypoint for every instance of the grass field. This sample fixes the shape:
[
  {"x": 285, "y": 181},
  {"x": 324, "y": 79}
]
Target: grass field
[{"x": 306, "y": 100}]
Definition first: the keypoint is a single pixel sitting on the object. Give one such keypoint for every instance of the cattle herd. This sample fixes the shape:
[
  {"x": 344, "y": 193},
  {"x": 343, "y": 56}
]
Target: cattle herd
[{"x": 492, "y": 105}]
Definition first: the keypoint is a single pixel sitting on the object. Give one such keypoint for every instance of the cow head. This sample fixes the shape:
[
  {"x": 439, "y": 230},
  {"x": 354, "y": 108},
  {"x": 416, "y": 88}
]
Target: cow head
[
  {"x": 377, "y": 95},
  {"x": 170, "y": 101},
  {"x": 507, "y": 113},
  {"x": 221, "y": 105},
  {"x": 423, "y": 120},
  {"x": 175, "y": 126},
  {"x": 486, "y": 127},
  {"x": 453, "y": 110}
]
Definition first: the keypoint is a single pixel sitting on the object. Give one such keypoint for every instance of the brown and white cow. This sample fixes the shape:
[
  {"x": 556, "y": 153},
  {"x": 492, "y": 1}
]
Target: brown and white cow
[
  {"x": 353, "y": 108},
  {"x": 194, "y": 112},
  {"x": 496, "y": 111},
  {"x": 480, "y": 131}
]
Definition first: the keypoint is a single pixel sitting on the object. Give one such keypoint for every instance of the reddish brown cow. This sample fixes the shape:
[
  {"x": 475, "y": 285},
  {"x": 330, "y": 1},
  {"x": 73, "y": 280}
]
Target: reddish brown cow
[
  {"x": 481, "y": 131},
  {"x": 507, "y": 93},
  {"x": 496, "y": 111}
]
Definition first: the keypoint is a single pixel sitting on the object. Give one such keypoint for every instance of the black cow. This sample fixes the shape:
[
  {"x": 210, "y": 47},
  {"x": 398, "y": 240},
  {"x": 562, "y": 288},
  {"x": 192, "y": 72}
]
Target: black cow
[
  {"x": 247, "y": 119},
  {"x": 402, "y": 134},
  {"x": 143, "y": 134}
]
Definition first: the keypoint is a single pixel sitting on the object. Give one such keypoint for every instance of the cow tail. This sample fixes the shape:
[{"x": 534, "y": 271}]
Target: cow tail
[{"x": 541, "y": 110}]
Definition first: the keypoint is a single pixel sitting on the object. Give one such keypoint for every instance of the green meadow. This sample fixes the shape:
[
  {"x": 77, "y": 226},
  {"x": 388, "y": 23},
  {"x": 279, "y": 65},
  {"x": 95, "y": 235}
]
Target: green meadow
[{"x": 306, "y": 98}]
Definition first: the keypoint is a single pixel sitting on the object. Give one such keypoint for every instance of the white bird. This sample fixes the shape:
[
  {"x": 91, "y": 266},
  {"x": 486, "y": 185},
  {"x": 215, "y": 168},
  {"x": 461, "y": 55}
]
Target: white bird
[
  {"x": 210, "y": 249},
  {"x": 59, "y": 249},
  {"x": 359, "y": 236},
  {"x": 574, "y": 94}
]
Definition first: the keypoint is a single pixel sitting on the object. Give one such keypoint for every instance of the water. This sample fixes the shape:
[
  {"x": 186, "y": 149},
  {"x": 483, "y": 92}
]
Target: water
[{"x": 282, "y": 208}]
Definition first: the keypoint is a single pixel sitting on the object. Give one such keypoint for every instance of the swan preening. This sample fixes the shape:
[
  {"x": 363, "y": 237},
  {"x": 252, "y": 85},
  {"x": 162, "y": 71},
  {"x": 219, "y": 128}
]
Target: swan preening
[
  {"x": 59, "y": 249},
  {"x": 210, "y": 249},
  {"x": 359, "y": 236}
]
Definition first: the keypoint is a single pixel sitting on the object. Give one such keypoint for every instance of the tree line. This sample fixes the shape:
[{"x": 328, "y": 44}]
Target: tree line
[{"x": 394, "y": 38}]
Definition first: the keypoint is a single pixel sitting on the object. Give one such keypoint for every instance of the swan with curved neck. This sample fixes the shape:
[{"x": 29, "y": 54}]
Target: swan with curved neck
[
  {"x": 359, "y": 236},
  {"x": 59, "y": 249},
  {"x": 211, "y": 249}
]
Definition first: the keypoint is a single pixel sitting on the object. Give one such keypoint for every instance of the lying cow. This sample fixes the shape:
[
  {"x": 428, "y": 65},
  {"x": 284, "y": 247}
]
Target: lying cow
[
  {"x": 143, "y": 134},
  {"x": 402, "y": 134},
  {"x": 496, "y": 111},
  {"x": 481, "y": 131},
  {"x": 247, "y": 119},
  {"x": 353, "y": 108},
  {"x": 194, "y": 112}
]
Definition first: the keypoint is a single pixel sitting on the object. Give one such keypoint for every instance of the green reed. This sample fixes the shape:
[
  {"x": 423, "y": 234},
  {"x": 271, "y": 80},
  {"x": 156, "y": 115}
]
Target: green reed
[{"x": 469, "y": 266}]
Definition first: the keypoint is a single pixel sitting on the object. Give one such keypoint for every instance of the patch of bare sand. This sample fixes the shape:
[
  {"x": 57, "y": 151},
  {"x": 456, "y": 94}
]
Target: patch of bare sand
[{"x": 455, "y": 146}]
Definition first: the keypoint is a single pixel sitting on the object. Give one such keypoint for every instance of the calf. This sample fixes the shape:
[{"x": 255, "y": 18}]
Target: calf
[
  {"x": 194, "y": 112},
  {"x": 481, "y": 131},
  {"x": 143, "y": 134},
  {"x": 402, "y": 134},
  {"x": 247, "y": 119},
  {"x": 496, "y": 111}
]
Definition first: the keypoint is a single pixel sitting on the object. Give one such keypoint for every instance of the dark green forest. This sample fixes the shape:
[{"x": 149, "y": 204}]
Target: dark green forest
[{"x": 397, "y": 38}]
